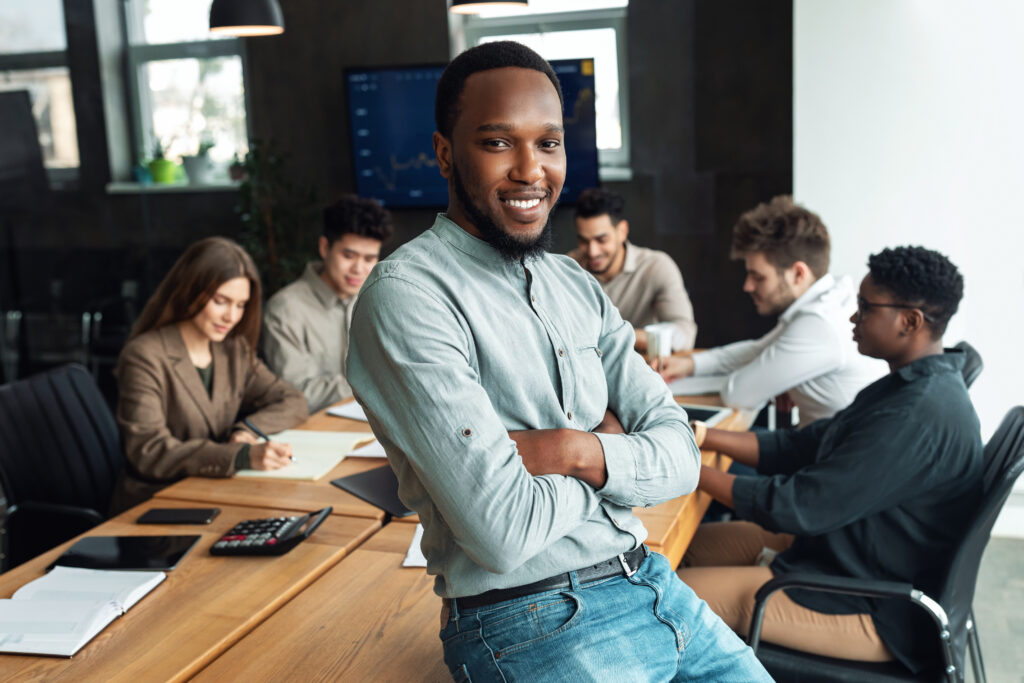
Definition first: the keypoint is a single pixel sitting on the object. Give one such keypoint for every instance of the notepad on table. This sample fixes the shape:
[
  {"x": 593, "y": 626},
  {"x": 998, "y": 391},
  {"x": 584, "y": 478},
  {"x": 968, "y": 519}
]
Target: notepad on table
[
  {"x": 316, "y": 453},
  {"x": 61, "y": 611},
  {"x": 695, "y": 386},
  {"x": 351, "y": 410}
]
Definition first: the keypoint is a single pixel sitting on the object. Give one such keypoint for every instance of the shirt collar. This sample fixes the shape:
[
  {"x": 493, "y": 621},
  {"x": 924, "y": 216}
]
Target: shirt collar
[
  {"x": 951, "y": 361},
  {"x": 450, "y": 232},
  {"x": 821, "y": 285},
  {"x": 323, "y": 292},
  {"x": 632, "y": 260}
]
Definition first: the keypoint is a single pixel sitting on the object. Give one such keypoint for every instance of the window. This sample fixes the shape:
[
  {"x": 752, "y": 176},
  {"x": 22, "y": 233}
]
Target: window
[
  {"x": 33, "y": 57},
  {"x": 188, "y": 85},
  {"x": 570, "y": 29}
]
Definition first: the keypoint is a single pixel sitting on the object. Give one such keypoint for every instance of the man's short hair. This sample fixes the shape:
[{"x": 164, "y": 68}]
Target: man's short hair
[
  {"x": 597, "y": 201},
  {"x": 357, "y": 215},
  {"x": 922, "y": 278},
  {"x": 785, "y": 233},
  {"x": 496, "y": 55}
]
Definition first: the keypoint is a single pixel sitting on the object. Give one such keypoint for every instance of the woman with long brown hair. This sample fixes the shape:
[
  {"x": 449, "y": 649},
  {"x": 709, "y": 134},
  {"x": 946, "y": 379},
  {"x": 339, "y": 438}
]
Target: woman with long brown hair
[{"x": 189, "y": 376}]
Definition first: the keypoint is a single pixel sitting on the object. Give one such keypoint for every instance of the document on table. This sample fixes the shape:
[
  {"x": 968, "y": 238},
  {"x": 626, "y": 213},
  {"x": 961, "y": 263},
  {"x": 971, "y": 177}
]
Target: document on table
[
  {"x": 60, "y": 612},
  {"x": 351, "y": 410},
  {"x": 373, "y": 449},
  {"x": 695, "y": 386},
  {"x": 414, "y": 556},
  {"x": 316, "y": 453}
]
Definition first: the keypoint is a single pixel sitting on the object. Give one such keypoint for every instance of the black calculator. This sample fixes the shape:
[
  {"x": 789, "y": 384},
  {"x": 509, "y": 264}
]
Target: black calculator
[{"x": 270, "y": 536}]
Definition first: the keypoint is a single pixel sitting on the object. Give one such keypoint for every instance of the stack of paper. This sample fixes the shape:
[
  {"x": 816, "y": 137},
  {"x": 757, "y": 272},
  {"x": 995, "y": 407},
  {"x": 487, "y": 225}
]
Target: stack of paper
[
  {"x": 60, "y": 612},
  {"x": 351, "y": 410},
  {"x": 414, "y": 556},
  {"x": 695, "y": 386},
  {"x": 373, "y": 449}
]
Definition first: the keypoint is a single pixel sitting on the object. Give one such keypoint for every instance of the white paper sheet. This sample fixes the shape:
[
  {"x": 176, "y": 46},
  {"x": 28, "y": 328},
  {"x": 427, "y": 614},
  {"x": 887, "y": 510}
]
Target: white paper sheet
[
  {"x": 370, "y": 450},
  {"x": 316, "y": 453},
  {"x": 696, "y": 386},
  {"x": 351, "y": 410},
  {"x": 414, "y": 556}
]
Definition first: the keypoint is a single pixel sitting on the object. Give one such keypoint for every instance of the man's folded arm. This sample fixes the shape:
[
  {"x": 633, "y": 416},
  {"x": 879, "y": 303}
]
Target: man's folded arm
[
  {"x": 657, "y": 458},
  {"x": 410, "y": 367}
]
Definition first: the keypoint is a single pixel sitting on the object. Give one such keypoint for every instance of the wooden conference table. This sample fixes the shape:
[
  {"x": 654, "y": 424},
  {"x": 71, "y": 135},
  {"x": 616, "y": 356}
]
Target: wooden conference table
[{"x": 338, "y": 606}]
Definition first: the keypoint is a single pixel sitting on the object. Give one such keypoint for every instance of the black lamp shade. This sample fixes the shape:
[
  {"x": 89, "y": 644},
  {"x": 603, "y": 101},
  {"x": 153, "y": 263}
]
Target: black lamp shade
[
  {"x": 475, "y": 6},
  {"x": 246, "y": 17}
]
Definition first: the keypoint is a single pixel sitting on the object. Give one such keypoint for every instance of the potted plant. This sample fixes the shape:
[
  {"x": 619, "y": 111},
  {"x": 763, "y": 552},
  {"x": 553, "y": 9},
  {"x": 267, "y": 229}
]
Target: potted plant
[
  {"x": 161, "y": 168},
  {"x": 199, "y": 168}
]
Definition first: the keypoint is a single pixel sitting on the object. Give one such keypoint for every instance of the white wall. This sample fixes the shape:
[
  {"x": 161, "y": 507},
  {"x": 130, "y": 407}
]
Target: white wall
[{"x": 909, "y": 129}]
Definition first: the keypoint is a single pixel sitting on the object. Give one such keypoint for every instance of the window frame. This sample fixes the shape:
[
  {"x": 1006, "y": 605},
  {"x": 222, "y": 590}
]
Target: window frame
[
  {"x": 139, "y": 55},
  {"x": 613, "y": 162},
  {"x": 60, "y": 178}
]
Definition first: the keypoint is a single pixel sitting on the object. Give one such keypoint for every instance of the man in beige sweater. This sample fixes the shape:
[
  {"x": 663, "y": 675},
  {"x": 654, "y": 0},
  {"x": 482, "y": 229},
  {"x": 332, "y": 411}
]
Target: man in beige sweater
[{"x": 645, "y": 285}]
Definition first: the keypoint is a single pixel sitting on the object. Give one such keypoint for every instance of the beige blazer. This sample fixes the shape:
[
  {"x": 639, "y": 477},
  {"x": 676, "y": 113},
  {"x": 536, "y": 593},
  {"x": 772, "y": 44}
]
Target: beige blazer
[{"x": 171, "y": 429}]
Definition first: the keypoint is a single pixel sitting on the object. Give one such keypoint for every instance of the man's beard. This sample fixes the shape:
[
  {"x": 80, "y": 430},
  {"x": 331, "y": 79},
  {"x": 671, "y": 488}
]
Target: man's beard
[{"x": 513, "y": 249}]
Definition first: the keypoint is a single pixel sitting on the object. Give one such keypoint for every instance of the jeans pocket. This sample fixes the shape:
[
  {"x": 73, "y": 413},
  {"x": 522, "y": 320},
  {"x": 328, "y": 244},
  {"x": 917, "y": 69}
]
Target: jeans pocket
[{"x": 524, "y": 625}]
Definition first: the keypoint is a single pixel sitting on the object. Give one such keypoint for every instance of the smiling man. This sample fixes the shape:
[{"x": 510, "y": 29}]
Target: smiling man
[
  {"x": 808, "y": 355},
  {"x": 644, "y": 284},
  {"x": 520, "y": 423},
  {"x": 306, "y": 324}
]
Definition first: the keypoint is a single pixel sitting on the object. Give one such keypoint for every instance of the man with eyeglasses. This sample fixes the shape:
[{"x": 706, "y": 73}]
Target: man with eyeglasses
[
  {"x": 883, "y": 490},
  {"x": 808, "y": 355}
]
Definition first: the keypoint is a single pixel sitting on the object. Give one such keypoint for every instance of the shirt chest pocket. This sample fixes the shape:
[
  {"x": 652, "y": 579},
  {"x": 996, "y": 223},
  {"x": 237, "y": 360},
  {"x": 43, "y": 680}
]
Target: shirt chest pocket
[{"x": 591, "y": 395}]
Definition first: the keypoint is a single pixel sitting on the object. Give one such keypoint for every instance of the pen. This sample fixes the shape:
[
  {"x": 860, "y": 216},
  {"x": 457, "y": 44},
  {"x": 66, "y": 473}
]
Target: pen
[{"x": 259, "y": 433}]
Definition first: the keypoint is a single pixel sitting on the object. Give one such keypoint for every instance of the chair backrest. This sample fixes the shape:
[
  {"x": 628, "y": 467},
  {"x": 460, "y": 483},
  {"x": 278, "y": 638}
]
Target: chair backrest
[
  {"x": 1004, "y": 462},
  {"x": 973, "y": 364},
  {"x": 58, "y": 441}
]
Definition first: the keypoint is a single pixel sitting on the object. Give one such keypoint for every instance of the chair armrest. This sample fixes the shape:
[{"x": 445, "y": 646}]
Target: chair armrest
[
  {"x": 868, "y": 588},
  {"x": 30, "y": 507}
]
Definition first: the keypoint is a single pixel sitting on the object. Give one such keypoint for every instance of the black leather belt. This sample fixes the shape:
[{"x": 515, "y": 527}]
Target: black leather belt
[{"x": 625, "y": 564}]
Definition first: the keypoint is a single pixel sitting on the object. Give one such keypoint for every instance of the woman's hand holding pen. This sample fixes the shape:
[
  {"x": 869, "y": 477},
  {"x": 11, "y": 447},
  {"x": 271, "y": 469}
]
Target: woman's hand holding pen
[{"x": 270, "y": 455}]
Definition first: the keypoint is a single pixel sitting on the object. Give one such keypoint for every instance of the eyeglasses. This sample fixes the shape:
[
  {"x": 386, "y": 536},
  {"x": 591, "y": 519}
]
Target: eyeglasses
[{"x": 864, "y": 306}]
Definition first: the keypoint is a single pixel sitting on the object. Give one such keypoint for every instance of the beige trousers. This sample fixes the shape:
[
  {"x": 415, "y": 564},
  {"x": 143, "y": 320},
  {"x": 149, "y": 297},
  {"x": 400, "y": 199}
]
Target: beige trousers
[{"x": 719, "y": 567}]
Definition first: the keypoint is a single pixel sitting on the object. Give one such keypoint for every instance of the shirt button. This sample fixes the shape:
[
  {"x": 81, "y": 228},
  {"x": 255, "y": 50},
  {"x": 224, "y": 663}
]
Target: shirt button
[
  {"x": 600, "y": 354},
  {"x": 569, "y": 414},
  {"x": 561, "y": 352},
  {"x": 467, "y": 432},
  {"x": 533, "y": 299}
]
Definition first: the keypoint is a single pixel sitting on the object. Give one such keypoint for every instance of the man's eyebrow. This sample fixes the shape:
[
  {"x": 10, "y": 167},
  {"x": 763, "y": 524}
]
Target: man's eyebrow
[{"x": 508, "y": 128}]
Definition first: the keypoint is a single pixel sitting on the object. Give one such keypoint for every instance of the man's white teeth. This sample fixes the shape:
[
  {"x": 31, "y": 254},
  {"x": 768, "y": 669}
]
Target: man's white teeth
[{"x": 522, "y": 203}]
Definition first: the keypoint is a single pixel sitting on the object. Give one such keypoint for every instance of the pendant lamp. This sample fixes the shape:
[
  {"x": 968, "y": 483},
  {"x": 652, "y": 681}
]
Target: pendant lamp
[
  {"x": 246, "y": 17},
  {"x": 476, "y": 6}
]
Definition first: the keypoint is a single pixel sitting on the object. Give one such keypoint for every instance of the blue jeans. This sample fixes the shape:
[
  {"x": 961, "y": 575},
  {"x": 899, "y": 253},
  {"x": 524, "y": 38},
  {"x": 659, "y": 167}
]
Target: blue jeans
[{"x": 647, "y": 627}]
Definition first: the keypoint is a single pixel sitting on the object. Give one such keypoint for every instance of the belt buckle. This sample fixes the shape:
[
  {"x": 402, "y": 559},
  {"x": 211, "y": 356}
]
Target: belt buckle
[{"x": 625, "y": 565}]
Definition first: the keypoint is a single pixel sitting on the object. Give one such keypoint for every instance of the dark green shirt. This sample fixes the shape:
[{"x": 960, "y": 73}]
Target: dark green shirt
[
  {"x": 206, "y": 374},
  {"x": 882, "y": 490}
]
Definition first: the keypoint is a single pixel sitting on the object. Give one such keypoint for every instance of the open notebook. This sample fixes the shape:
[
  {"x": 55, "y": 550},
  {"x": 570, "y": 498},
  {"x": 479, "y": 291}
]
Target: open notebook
[
  {"x": 61, "y": 611},
  {"x": 316, "y": 453}
]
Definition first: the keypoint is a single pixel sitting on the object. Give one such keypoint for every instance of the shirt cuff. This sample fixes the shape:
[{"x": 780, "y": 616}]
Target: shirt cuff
[
  {"x": 743, "y": 494},
  {"x": 704, "y": 364},
  {"x": 767, "y": 452},
  {"x": 620, "y": 465},
  {"x": 242, "y": 458}
]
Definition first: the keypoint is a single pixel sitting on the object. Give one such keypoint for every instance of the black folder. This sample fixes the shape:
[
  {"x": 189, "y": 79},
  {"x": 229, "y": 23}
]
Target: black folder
[{"x": 378, "y": 487}]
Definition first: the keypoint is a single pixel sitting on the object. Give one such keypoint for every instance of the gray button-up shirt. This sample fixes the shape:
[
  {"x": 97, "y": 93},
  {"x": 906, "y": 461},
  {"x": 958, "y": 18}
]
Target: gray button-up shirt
[
  {"x": 452, "y": 347},
  {"x": 305, "y": 338}
]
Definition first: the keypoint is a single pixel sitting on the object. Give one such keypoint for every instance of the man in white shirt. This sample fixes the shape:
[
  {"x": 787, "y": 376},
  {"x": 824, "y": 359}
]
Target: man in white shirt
[
  {"x": 644, "y": 284},
  {"x": 810, "y": 354}
]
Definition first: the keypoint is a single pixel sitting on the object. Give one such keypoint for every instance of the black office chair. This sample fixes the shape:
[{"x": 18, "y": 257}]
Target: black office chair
[
  {"x": 950, "y": 609},
  {"x": 973, "y": 365},
  {"x": 60, "y": 458}
]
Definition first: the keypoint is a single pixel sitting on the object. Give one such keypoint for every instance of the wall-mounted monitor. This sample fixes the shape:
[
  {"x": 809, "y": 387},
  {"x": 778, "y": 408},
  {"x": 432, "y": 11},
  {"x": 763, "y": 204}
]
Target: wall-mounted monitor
[{"x": 391, "y": 125}]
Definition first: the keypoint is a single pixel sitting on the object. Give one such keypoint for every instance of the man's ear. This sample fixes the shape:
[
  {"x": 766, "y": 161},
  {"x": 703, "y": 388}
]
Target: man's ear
[
  {"x": 323, "y": 247},
  {"x": 802, "y": 273},
  {"x": 443, "y": 152},
  {"x": 623, "y": 228},
  {"x": 911, "y": 320}
]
